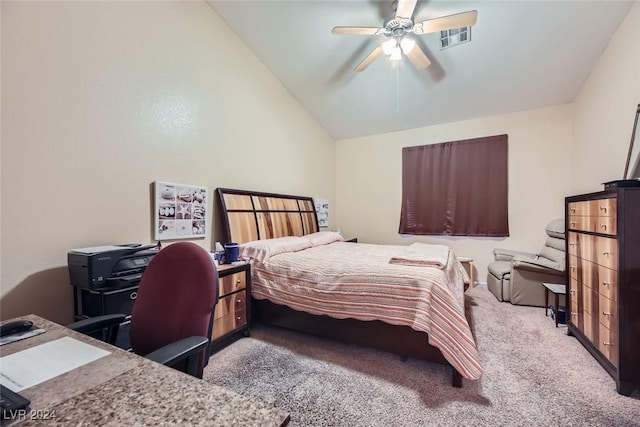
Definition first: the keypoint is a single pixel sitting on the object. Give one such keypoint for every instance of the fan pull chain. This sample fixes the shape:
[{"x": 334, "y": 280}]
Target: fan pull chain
[{"x": 397, "y": 89}]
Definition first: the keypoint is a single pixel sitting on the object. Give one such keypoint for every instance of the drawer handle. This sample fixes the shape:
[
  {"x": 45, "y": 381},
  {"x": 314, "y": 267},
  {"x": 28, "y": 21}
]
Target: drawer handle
[
  {"x": 572, "y": 267},
  {"x": 606, "y": 283},
  {"x": 606, "y": 253},
  {"x": 572, "y": 291},
  {"x": 238, "y": 318},
  {"x": 239, "y": 300},
  {"x": 606, "y": 313},
  {"x": 572, "y": 244},
  {"x": 607, "y": 343},
  {"x": 603, "y": 208},
  {"x": 238, "y": 281},
  {"x": 603, "y": 226},
  {"x": 573, "y": 223},
  {"x": 133, "y": 295},
  {"x": 572, "y": 209}
]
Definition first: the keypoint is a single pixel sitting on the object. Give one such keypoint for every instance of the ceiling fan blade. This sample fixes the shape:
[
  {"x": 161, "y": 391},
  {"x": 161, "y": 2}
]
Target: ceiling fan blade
[
  {"x": 418, "y": 58},
  {"x": 405, "y": 8},
  {"x": 365, "y": 31},
  {"x": 459, "y": 20},
  {"x": 369, "y": 59}
]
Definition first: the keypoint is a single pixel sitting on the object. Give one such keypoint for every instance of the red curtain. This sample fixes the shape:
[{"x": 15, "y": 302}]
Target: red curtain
[{"x": 457, "y": 188}]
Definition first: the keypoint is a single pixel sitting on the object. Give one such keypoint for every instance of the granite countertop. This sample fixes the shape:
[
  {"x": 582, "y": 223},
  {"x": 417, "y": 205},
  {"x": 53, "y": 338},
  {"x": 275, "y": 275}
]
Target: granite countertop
[{"x": 126, "y": 389}]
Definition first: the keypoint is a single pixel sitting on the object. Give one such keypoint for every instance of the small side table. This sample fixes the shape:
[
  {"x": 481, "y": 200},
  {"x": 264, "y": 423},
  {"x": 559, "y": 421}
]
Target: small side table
[
  {"x": 556, "y": 290},
  {"x": 468, "y": 264}
]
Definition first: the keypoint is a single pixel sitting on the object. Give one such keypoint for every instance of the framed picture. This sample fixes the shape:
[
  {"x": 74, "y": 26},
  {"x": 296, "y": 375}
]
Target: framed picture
[
  {"x": 180, "y": 211},
  {"x": 322, "y": 210}
]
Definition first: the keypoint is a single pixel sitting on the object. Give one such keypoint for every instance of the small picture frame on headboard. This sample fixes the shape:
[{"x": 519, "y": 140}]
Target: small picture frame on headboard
[
  {"x": 180, "y": 211},
  {"x": 322, "y": 211}
]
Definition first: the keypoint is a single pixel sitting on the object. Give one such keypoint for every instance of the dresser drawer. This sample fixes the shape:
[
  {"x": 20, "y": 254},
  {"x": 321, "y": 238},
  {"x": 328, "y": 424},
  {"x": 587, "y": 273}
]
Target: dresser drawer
[
  {"x": 232, "y": 283},
  {"x": 607, "y": 312},
  {"x": 587, "y": 325},
  {"x": 579, "y": 208},
  {"x": 603, "y": 207},
  {"x": 608, "y": 345},
  {"x": 590, "y": 300},
  {"x": 606, "y": 252},
  {"x": 573, "y": 266},
  {"x": 608, "y": 283}
]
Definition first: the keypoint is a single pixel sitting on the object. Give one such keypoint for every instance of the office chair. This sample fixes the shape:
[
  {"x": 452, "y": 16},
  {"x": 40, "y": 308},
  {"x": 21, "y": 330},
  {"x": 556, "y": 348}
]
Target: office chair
[
  {"x": 105, "y": 328},
  {"x": 172, "y": 317}
]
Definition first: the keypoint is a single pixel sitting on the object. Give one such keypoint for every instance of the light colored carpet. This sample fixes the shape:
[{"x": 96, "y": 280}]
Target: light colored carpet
[{"x": 534, "y": 375}]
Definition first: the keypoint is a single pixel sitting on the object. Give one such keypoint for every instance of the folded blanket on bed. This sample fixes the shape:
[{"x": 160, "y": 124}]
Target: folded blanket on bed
[{"x": 423, "y": 254}]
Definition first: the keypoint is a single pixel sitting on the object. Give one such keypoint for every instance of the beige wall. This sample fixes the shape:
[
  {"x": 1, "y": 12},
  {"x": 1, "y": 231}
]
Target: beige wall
[
  {"x": 100, "y": 99},
  {"x": 605, "y": 110},
  {"x": 369, "y": 176}
]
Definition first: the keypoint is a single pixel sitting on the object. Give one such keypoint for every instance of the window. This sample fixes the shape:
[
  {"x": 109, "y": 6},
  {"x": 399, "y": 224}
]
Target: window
[{"x": 457, "y": 188}]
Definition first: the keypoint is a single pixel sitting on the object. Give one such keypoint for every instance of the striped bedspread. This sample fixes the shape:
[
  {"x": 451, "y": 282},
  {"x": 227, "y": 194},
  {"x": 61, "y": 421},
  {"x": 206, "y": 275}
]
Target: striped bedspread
[{"x": 346, "y": 280}]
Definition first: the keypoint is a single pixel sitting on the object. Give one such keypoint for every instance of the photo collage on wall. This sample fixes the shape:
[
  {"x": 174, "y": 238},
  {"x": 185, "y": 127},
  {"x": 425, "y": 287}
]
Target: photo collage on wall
[{"x": 180, "y": 211}]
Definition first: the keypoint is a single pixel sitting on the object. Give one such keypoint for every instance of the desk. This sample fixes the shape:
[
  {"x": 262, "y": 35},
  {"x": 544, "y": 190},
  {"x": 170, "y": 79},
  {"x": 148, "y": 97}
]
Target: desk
[
  {"x": 556, "y": 290},
  {"x": 125, "y": 389}
]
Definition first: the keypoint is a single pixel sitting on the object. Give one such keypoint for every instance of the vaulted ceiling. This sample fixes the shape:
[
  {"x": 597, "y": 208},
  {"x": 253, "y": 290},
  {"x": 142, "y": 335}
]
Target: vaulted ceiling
[{"x": 522, "y": 55}]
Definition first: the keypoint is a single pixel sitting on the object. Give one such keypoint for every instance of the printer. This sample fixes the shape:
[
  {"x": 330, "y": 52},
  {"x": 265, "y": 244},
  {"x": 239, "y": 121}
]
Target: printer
[{"x": 109, "y": 267}]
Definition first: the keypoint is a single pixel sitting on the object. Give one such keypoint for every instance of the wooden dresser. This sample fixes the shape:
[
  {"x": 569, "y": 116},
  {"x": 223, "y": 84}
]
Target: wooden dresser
[
  {"x": 231, "y": 318},
  {"x": 603, "y": 268}
]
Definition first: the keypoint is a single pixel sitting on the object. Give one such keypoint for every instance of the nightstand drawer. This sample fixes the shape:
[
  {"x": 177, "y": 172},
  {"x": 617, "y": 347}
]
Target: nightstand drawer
[
  {"x": 232, "y": 283},
  {"x": 230, "y": 304}
]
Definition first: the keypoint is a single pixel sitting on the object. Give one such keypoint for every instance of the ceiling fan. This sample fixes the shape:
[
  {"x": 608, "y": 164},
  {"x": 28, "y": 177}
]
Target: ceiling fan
[{"x": 397, "y": 32}]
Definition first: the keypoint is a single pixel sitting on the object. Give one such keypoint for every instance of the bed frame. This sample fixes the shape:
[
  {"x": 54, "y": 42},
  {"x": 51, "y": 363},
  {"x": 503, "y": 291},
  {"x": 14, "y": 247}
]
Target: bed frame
[{"x": 251, "y": 215}]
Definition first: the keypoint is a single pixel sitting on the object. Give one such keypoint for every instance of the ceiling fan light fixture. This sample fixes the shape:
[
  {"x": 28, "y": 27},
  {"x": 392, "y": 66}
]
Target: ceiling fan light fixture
[
  {"x": 388, "y": 46},
  {"x": 396, "y": 54},
  {"x": 407, "y": 45}
]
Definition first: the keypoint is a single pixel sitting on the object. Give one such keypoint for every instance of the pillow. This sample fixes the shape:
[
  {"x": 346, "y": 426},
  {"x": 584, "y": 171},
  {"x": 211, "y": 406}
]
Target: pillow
[
  {"x": 262, "y": 250},
  {"x": 323, "y": 238}
]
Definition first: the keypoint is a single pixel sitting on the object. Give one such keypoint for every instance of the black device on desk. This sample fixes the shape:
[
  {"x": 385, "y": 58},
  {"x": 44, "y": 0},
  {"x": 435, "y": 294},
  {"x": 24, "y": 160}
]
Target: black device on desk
[
  {"x": 116, "y": 266},
  {"x": 106, "y": 280},
  {"x": 11, "y": 402}
]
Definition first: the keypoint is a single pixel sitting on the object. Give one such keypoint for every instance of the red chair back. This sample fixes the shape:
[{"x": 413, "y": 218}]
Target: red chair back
[{"x": 177, "y": 294}]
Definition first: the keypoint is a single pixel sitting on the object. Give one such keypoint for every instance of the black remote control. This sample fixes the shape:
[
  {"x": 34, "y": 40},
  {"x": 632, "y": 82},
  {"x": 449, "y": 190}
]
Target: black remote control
[{"x": 15, "y": 327}]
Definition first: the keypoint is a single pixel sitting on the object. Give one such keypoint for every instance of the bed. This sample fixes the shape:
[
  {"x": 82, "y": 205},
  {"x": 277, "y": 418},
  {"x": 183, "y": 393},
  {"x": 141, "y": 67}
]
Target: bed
[{"x": 408, "y": 300}]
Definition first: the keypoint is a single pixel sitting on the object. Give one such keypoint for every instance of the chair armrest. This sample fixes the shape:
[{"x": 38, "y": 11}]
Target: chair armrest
[
  {"x": 541, "y": 265},
  {"x": 109, "y": 323},
  {"x": 186, "y": 348},
  {"x": 508, "y": 254}
]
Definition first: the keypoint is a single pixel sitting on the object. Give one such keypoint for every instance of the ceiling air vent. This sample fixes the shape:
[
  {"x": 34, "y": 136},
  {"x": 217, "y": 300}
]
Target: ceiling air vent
[{"x": 454, "y": 37}]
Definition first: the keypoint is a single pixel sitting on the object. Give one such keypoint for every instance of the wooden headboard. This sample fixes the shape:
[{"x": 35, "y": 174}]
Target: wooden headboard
[{"x": 252, "y": 215}]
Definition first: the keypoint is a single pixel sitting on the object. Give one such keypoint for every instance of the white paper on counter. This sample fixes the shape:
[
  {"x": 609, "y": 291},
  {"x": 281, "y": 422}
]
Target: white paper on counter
[{"x": 32, "y": 366}]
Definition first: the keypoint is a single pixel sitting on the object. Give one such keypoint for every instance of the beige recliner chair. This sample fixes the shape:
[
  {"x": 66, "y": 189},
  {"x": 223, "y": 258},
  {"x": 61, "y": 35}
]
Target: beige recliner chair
[{"x": 517, "y": 276}]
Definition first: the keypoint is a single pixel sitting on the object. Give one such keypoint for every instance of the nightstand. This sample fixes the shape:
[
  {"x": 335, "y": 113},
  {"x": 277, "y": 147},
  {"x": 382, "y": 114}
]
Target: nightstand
[{"x": 232, "y": 314}]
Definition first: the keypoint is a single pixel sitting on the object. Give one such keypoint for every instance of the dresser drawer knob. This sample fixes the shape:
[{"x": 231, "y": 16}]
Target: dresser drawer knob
[
  {"x": 606, "y": 313},
  {"x": 238, "y": 282},
  {"x": 606, "y": 253},
  {"x": 573, "y": 223},
  {"x": 603, "y": 226},
  {"x": 603, "y": 208},
  {"x": 238, "y": 318},
  {"x": 572, "y": 291},
  {"x": 572, "y": 209},
  {"x": 606, "y": 283},
  {"x": 607, "y": 343}
]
